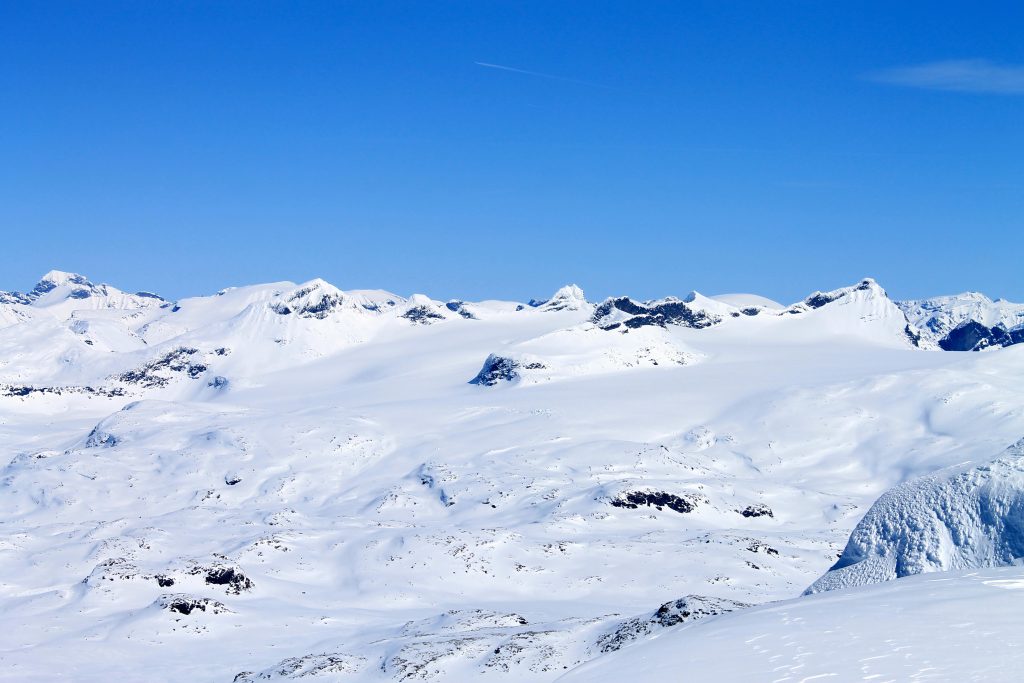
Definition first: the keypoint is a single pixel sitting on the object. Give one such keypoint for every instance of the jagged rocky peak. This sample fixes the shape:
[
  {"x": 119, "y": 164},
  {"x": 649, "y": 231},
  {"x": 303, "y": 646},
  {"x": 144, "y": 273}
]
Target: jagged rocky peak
[
  {"x": 620, "y": 313},
  {"x": 568, "y": 298},
  {"x": 314, "y": 299},
  {"x": 962, "y": 517}
]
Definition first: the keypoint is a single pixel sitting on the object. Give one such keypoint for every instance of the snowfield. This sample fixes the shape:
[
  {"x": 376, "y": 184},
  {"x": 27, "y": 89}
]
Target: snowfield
[{"x": 290, "y": 481}]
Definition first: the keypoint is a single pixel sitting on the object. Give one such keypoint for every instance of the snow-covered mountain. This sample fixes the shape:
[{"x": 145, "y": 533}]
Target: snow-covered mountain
[
  {"x": 289, "y": 481},
  {"x": 967, "y": 322}
]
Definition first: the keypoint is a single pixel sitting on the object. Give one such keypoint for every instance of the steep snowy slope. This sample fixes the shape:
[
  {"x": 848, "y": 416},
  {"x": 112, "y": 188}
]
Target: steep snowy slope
[
  {"x": 864, "y": 311},
  {"x": 285, "y": 480},
  {"x": 964, "y": 517}
]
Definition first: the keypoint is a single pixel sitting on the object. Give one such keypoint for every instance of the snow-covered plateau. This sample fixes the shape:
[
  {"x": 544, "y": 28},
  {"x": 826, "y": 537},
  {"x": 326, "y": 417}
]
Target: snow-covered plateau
[{"x": 291, "y": 481}]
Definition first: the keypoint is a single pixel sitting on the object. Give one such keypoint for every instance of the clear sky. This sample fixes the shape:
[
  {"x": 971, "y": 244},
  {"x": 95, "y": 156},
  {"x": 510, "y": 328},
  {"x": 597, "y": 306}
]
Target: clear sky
[{"x": 500, "y": 149}]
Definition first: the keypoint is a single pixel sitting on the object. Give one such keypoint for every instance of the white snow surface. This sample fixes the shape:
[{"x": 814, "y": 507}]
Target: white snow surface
[
  {"x": 288, "y": 481},
  {"x": 747, "y": 301}
]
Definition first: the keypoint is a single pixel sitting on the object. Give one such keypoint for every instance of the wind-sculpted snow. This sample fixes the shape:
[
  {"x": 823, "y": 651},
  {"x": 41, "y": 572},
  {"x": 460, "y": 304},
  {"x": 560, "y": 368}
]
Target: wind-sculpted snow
[
  {"x": 216, "y": 488},
  {"x": 963, "y": 517}
]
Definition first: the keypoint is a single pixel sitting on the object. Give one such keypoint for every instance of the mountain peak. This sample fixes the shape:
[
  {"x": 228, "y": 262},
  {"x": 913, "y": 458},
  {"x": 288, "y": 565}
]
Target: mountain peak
[
  {"x": 58, "y": 278},
  {"x": 568, "y": 298},
  {"x": 868, "y": 286}
]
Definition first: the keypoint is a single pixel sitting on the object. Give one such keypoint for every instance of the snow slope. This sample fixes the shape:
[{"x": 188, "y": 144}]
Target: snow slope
[
  {"x": 289, "y": 480},
  {"x": 938, "y": 627}
]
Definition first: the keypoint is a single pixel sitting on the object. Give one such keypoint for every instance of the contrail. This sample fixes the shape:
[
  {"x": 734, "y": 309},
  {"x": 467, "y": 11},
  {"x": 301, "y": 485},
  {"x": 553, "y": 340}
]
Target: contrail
[{"x": 537, "y": 73}]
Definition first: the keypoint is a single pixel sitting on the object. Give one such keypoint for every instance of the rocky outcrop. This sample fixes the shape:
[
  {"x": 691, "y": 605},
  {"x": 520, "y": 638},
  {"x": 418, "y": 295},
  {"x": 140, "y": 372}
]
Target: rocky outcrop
[
  {"x": 681, "y": 611},
  {"x": 623, "y": 312}
]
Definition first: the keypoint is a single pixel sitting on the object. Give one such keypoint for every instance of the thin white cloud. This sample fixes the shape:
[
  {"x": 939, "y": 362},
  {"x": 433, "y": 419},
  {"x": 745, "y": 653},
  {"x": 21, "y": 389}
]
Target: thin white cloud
[
  {"x": 958, "y": 75},
  {"x": 537, "y": 73}
]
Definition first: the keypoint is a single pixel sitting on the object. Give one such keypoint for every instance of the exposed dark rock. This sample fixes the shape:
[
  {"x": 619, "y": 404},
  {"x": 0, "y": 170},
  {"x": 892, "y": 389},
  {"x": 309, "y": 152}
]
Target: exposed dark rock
[
  {"x": 502, "y": 369},
  {"x": 306, "y": 304},
  {"x": 658, "y": 500},
  {"x": 422, "y": 315},
  {"x": 912, "y": 335},
  {"x": 232, "y": 577},
  {"x": 456, "y": 306},
  {"x": 755, "y": 546},
  {"x": 821, "y": 299},
  {"x": 153, "y": 374},
  {"x": 971, "y": 335},
  {"x": 186, "y": 604},
  {"x": 15, "y": 298},
  {"x": 164, "y": 581},
  {"x": 14, "y": 390},
  {"x": 46, "y": 286},
  {"x": 968, "y": 336},
  {"x": 758, "y": 510}
]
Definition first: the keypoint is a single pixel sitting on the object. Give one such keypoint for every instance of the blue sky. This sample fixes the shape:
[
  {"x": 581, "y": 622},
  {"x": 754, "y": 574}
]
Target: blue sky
[{"x": 493, "y": 149}]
